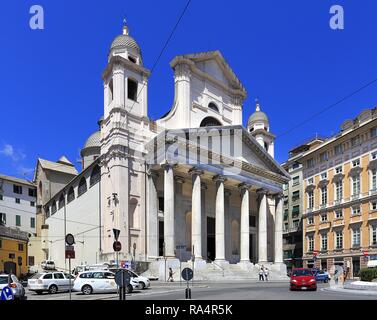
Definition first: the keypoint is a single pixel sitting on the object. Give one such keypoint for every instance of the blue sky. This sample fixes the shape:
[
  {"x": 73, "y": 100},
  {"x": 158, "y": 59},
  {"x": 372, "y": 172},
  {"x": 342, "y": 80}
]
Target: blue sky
[{"x": 284, "y": 52}]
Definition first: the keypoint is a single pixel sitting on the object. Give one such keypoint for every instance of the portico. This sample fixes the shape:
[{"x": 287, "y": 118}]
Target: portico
[{"x": 198, "y": 197}]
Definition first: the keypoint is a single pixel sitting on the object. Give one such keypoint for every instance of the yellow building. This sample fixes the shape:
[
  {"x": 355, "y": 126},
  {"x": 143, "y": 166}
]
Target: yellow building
[
  {"x": 340, "y": 188},
  {"x": 13, "y": 251}
]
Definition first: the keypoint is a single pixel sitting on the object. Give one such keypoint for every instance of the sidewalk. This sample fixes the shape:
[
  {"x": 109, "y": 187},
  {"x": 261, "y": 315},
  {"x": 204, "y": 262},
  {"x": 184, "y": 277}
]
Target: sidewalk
[{"x": 359, "y": 287}]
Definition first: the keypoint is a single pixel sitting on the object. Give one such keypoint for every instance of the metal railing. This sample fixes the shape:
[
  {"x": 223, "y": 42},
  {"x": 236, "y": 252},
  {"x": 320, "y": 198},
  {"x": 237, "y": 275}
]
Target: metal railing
[{"x": 217, "y": 265}]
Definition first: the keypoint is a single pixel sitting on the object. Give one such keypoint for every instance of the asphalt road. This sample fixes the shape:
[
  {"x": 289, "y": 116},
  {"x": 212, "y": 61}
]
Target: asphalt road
[{"x": 216, "y": 291}]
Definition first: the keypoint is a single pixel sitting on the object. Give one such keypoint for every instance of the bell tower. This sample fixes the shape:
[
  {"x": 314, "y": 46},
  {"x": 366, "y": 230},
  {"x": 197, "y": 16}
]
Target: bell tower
[
  {"x": 259, "y": 127},
  {"x": 123, "y": 133}
]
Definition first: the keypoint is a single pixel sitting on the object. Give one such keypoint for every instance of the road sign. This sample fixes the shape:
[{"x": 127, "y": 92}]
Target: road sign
[
  {"x": 315, "y": 253},
  {"x": 116, "y": 234},
  {"x": 7, "y": 294},
  {"x": 365, "y": 253},
  {"x": 187, "y": 274},
  {"x": 69, "y": 252},
  {"x": 69, "y": 239},
  {"x": 117, "y": 246},
  {"x": 122, "y": 278}
]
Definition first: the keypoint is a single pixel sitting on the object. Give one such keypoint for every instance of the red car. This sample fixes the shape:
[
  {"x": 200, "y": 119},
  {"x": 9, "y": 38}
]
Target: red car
[{"x": 304, "y": 279}]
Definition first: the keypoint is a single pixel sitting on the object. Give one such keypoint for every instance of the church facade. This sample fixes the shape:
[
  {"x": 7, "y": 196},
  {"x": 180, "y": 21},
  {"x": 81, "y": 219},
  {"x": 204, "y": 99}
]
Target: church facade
[{"x": 194, "y": 185}]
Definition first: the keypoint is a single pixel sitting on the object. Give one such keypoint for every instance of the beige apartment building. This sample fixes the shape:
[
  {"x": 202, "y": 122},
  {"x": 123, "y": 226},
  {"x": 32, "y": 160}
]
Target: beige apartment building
[{"x": 340, "y": 197}]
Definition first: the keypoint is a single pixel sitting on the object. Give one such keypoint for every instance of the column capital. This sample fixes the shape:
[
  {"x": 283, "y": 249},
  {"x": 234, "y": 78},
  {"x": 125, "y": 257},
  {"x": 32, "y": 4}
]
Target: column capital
[
  {"x": 152, "y": 173},
  {"x": 244, "y": 186},
  {"x": 179, "y": 179},
  {"x": 167, "y": 165},
  {"x": 279, "y": 196},
  {"x": 219, "y": 178},
  {"x": 262, "y": 191},
  {"x": 196, "y": 171}
]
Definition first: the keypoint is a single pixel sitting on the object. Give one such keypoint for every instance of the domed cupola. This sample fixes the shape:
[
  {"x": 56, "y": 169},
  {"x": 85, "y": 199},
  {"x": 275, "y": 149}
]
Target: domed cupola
[
  {"x": 258, "y": 120},
  {"x": 127, "y": 47},
  {"x": 259, "y": 127},
  {"x": 92, "y": 148}
]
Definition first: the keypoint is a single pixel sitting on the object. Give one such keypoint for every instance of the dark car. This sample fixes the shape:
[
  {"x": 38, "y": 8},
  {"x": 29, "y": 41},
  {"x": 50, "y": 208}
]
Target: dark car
[
  {"x": 321, "y": 275},
  {"x": 303, "y": 279}
]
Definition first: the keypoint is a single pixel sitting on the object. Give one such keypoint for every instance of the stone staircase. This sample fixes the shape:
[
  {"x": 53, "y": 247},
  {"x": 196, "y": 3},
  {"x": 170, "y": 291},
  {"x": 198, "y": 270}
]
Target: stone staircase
[{"x": 214, "y": 272}]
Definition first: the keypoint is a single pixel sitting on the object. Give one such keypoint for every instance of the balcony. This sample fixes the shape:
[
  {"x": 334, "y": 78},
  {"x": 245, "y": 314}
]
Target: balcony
[
  {"x": 323, "y": 206},
  {"x": 355, "y": 196},
  {"x": 373, "y": 192},
  {"x": 338, "y": 202}
]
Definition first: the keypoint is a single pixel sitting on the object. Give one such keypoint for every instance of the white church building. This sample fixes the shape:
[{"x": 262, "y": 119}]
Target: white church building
[{"x": 194, "y": 188}]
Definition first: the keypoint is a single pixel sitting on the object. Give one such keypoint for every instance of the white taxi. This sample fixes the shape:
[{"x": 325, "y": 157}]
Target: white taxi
[{"x": 96, "y": 281}]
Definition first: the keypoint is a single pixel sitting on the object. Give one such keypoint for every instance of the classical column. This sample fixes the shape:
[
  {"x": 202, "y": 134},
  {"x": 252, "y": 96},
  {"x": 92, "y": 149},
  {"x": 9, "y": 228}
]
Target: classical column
[
  {"x": 169, "y": 210},
  {"x": 196, "y": 213},
  {"x": 279, "y": 229},
  {"x": 220, "y": 219},
  {"x": 245, "y": 227},
  {"x": 262, "y": 228},
  {"x": 152, "y": 216}
]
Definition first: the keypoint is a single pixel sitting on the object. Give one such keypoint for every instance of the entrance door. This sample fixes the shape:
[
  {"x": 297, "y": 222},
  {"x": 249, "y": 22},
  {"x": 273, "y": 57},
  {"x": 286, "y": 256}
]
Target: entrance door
[
  {"x": 251, "y": 247},
  {"x": 211, "y": 241},
  {"x": 161, "y": 238},
  {"x": 356, "y": 266},
  {"x": 10, "y": 267}
]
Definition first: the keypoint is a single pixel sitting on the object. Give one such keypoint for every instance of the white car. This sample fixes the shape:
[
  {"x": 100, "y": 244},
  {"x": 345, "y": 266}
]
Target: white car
[
  {"x": 94, "y": 281},
  {"x": 13, "y": 282},
  {"x": 143, "y": 281},
  {"x": 51, "y": 282},
  {"x": 48, "y": 265}
]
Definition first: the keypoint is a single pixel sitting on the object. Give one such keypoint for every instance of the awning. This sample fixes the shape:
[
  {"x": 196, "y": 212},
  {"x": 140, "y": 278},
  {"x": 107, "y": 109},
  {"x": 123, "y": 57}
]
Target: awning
[{"x": 372, "y": 264}]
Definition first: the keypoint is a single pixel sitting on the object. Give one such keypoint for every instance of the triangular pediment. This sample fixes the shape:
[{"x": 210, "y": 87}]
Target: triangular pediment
[{"x": 217, "y": 146}]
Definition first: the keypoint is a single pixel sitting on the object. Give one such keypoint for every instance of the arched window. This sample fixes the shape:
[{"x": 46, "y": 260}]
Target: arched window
[
  {"x": 40, "y": 192},
  {"x": 188, "y": 231},
  {"x": 132, "y": 89},
  {"x": 111, "y": 91},
  {"x": 82, "y": 187},
  {"x": 71, "y": 195},
  {"x": 61, "y": 201},
  {"x": 266, "y": 146},
  {"x": 47, "y": 211},
  {"x": 95, "y": 175},
  {"x": 133, "y": 223},
  {"x": 213, "y": 107},
  {"x": 235, "y": 237},
  {"x": 53, "y": 207},
  {"x": 210, "y": 122}
]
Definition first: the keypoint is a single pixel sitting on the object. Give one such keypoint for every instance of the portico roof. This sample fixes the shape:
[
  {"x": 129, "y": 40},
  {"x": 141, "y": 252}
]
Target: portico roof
[{"x": 257, "y": 167}]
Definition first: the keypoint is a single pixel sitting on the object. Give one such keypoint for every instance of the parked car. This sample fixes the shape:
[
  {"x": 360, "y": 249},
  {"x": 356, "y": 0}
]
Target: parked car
[
  {"x": 143, "y": 281},
  {"x": 51, "y": 282},
  {"x": 13, "y": 282},
  {"x": 95, "y": 281},
  {"x": 321, "y": 275},
  {"x": 48, "y": 265},
  {"x": 304, "y": 279}
]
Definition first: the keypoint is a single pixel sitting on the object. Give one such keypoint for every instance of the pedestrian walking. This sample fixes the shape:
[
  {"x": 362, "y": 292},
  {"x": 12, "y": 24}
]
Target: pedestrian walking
[
  {"x": 261, "y": 273},
  {"x": 170, "y": 279},
  {"x": 266, "y": 272}
]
